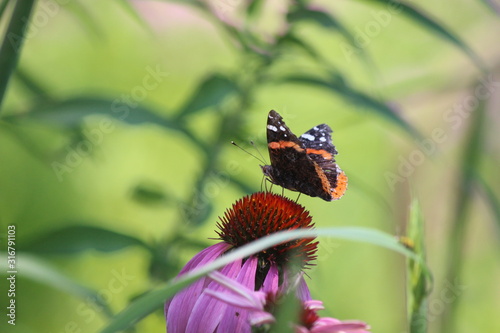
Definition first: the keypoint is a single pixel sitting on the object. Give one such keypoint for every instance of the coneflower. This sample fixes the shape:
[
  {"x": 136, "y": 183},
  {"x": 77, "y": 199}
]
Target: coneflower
[
  {"x": 243, "y": 294},
  {"x": 259, "y": 306}
]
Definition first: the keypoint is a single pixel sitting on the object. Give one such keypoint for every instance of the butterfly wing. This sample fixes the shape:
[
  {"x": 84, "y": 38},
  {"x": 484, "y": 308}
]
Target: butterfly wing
[
  {"x": 319, "y": 147},
  {"x": 291, "y": 167}
]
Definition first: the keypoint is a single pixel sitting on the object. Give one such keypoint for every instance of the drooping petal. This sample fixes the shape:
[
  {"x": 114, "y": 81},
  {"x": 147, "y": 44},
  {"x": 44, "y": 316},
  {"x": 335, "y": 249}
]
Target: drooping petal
[
  {"x": 303, "y": 292},
  {"x": 235, "y": 319},
  {"x": 178, "y": 310},
  {"x": 296, "y": 282},
  {"x": 314, "y": 305},
  {"x": 238, "y": 295},
  {"x": 271, "y": 282},
  {"x": 208, "y": 311}
]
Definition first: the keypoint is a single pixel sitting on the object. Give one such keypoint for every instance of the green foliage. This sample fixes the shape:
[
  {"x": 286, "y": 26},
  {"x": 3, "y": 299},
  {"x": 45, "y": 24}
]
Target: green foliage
[
  {"x": 155, "y": 298},
  {"x": 173, "y": 200},
  {"x": 75, "y": 239},
  {"x": 418, "y": 275}
]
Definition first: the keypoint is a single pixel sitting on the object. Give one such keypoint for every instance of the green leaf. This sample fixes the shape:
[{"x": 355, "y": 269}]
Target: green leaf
[
  {"x": 154, "y": 299},
  {"x": 10, "y": 48},
  {"x": 150, "y": 193},
  {"x": 434, "y": 26},
  {"x": 32, "y": 85},
  {"x": 211, "y": 92},
  {"x": 84, "y": 16},
  {"x": 418, "y": 276},
  {"x": 132, "y": 11},
  {"x": 490, "y": 197},
  {"x": 291, "y": 39},
  {"x": 340, "y": 87},
  {"x": 329, "y": 21},
  {"x": 254, "y": 7},
  {"x": 70, "y": 113},
  {"x": 198, "y": 208},
  {"x": 77, "y": 239},
  {"x": 3, "y": 6},
  {"x": 325, "y": 19},
  {"x": 36, "y": 269},
  {"x": 471, "y": 156}
]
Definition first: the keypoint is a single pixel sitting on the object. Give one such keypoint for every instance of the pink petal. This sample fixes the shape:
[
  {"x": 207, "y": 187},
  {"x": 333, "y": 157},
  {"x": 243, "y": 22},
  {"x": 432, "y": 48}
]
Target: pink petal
[
  {"x": 236, "y": 294},
  {"x": 331, "y": 325},
  {"x": 178, "y": 310},
  {"x": 235, "y": 319},
  {"x": 270, "y": 285},
  {"x": 303, "y": 292},
  {"x": 314, "y": 305},
  {"x": 208, "y": 311}
]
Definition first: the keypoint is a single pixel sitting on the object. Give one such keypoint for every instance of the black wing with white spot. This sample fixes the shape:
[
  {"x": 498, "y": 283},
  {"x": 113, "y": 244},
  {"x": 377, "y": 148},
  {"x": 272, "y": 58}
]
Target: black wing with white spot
[
  {"x": 319, "y": 137},
  {"x": 291, "y": 167},
  {"x": 278, "y": 131}
]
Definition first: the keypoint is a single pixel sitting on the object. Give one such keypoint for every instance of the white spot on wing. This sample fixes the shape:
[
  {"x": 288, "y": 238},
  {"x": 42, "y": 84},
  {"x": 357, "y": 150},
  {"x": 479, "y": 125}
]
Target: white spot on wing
[
  {"x": 272, "y": 128},
  {"x": 308, "y": 136},
  {"x": 322, "y": 139},
  {"x": 282, "y": 128}
]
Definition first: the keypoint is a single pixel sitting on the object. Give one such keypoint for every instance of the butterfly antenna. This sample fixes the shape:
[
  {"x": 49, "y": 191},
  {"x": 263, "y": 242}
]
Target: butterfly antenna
[
  {"x": 296, "y": 200},
  {"x": 258, "y": 151},
  {"x": 261, "y": 160}
]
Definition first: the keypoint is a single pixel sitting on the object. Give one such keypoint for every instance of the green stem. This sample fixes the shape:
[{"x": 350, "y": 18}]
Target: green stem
[
  {"x": 470, "y": 162},
  {"x": 12, "y": 42}
]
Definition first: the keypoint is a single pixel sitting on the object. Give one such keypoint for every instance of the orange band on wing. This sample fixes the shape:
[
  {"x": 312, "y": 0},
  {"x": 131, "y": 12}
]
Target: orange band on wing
[
  {"x": 341, "y": 187},
  {"x": 284, "y": 144},
  {"x": 326, "y": 155}
]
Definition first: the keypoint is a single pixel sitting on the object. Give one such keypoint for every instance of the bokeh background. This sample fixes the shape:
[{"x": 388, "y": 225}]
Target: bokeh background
[{"x": 116, "y": 159}]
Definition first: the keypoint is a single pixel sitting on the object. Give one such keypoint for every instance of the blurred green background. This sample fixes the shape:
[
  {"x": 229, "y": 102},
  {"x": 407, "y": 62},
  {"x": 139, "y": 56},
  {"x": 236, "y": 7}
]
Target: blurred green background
[{"x": 116, "y": 159}]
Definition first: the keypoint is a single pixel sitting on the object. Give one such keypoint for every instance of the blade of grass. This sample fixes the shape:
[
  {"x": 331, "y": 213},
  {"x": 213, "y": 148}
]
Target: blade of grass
[
  {"x": 3, "y": 6},
  {"x": 433, "y": 25},
  {"x": 329, "y": 21},
  {"x": 77, "y": 239},
  {"x": 149, "y": 302},
  {"x": 13, "y": 41},
  {"x": 211, "y": 92},
  {"x": 470, "y": 160},
  {"x": 36, "y": 269},
  {"x": 27, "y": 80},
  {"x": 69, "y": 114},
  {"x": 490, "y": 197},
  {"x": 341, "y": 88}
]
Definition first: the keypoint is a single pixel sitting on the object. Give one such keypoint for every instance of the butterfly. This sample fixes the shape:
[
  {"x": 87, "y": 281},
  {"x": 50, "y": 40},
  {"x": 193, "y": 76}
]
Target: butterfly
[{"x": 305, "y": 164}]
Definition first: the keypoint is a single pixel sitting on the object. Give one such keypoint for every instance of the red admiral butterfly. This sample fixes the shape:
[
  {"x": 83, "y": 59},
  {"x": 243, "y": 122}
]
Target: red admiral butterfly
[{"x": 305, "y": 164}]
